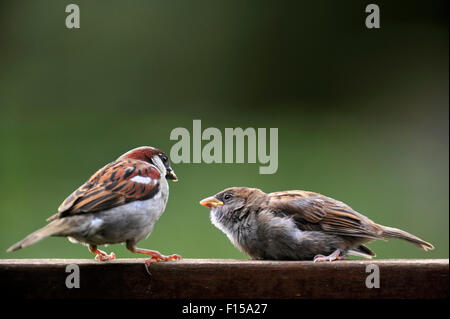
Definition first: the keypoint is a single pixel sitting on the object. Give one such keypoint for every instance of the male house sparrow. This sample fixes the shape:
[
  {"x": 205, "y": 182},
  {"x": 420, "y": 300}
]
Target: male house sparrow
[
  {"x": 121, "y": 202},
  {"x": 296, "y": 225}
]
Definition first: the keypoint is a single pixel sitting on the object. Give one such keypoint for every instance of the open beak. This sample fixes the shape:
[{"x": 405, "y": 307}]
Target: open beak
[
  {"x": 211, "y": 202},
  {"x": 171, "y": 175}
]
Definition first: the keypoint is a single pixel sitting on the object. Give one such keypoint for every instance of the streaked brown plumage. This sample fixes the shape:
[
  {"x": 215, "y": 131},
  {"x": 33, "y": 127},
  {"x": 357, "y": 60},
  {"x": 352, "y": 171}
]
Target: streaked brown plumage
[
  {"x": 296, "y": 225},
  {"x": 120, "y": 203},
  {"x": 111, "y": 186}
]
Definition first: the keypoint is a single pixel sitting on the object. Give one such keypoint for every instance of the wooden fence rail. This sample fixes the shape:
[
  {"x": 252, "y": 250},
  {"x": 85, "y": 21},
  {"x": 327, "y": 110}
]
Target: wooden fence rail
[{"x": 217, "y": 278}]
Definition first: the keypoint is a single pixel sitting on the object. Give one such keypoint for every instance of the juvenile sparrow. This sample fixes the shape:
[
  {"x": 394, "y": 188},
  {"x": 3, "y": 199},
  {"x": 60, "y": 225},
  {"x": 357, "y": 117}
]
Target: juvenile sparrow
[
  {"x": 296, "y": 225},
  {"x": 120, "y": 203}
]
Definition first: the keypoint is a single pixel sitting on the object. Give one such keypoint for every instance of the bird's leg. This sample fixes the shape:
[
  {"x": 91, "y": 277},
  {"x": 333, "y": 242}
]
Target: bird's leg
[
  {"x": 100, "y": 254},
  {"x": 336, "y": 255},
  {"x": 155, "y": 255}
]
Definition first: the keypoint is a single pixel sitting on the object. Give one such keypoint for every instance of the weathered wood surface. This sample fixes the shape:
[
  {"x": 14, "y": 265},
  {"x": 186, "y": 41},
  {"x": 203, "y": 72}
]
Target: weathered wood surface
[{"x": 231, "y": 279}]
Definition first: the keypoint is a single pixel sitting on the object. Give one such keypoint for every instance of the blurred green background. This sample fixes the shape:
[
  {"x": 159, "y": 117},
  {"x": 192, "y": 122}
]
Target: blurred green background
[{"x": 362, "y": 114}]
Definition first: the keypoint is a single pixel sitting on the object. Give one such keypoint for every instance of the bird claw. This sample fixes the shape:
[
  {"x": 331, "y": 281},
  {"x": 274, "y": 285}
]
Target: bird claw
[
  {"x": 157, "y": 258},
  {"x": 334, "y": 256},
  {"x": 319, "y": 258},
  {"x": 105, "y": 257}
]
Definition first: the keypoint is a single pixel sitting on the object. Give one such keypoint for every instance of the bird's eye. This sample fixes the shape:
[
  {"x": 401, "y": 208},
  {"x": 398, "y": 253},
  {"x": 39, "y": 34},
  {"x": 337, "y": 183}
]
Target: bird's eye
[
  {"x": 227, "y": 196},
  {"x": 164, "y": 158}
]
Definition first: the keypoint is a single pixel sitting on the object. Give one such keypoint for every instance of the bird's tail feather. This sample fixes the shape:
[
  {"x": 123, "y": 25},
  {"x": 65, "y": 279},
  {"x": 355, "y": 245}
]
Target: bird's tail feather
[
  {"x": 362, "y": 251},
  {"x": 401, "y": 234},
  {"x": 52, "y": 229}
]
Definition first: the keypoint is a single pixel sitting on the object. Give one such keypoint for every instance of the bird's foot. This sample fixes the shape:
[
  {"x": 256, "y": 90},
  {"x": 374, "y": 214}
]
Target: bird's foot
[
  {"x": 102, "y": 256},
  {"x": 157, "y": 257},
  {"x": 334, "y": 256}
]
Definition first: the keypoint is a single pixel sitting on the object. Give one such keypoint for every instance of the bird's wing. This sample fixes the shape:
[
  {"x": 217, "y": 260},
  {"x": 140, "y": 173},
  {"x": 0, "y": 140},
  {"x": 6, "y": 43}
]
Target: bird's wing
[
  {"x": 312, "y": 211},
  {"x": 117, "y": 183}
]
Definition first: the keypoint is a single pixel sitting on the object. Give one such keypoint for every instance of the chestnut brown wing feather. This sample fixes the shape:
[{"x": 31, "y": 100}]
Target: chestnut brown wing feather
[
  {"x": 112, "y": 186},
  {"x": 312, "y": 211}
]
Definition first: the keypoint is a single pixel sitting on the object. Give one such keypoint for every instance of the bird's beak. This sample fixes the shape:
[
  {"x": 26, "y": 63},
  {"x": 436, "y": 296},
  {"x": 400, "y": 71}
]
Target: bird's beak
[
  {"x": 171, "y": 175},
  {"x": 211, "y": 202}
]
